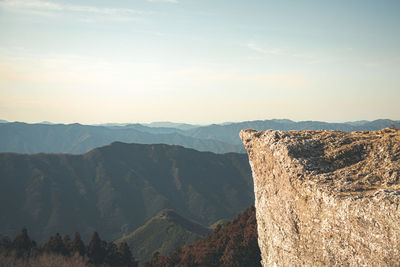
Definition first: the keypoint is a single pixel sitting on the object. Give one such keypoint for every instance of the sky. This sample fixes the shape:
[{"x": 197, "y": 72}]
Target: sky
[{"x": 199, "y": 61}]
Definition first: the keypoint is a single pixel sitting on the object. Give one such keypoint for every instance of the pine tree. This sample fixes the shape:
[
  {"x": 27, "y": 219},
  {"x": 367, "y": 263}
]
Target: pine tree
[
  {"x": 96, "y": 249},
  {"x": 66, "y": 241},
  {"x": 126, "y": 255},
  {"x": 55, "y": 245},
  {"x": 6, "y": 242},
  {"x": 77, "y": 245},
  {"x": 112, "y": 256},
  {"x": 23, "y": 244},
  {"x": 6, "y": 245}
]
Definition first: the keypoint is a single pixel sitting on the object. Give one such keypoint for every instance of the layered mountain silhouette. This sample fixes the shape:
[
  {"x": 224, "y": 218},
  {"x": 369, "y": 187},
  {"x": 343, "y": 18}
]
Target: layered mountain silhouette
[
  {"x": 229, "y": 132},
  {"x": 152, "y": 195},
  {"x": 163, "y": 233},
  {"x": 182, "y": 126},
  {"x": 117, "y": 188},
  {"x": 218, "y": 138},
  {"x": 76, "y": 138}
]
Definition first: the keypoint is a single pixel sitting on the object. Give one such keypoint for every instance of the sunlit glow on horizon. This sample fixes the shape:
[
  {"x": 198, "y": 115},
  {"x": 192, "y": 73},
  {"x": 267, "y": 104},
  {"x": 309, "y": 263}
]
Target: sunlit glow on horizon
[{"x": 194, "y": 61}]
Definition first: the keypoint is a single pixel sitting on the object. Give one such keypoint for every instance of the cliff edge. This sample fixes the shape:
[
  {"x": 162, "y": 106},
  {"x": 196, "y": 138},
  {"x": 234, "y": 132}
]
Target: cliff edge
[{"x": 326, "y": 197}]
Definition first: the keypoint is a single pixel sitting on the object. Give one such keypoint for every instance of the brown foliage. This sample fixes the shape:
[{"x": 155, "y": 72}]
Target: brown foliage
[
  {"x": 234, "y": 244},
  {"x": 44, "y": 260},
  {"x": 25, "y": 252}
]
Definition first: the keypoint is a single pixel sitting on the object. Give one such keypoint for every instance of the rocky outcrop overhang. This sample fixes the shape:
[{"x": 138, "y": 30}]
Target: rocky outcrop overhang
[{"x": 326, "y": 197}]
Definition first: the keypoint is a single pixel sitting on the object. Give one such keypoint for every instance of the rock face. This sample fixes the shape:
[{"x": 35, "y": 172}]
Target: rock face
[{"x": 326, "y": 197}]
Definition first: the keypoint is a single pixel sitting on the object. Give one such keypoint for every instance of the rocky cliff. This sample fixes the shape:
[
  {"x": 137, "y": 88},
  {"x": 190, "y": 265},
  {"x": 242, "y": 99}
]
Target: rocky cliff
[{"x": 326, "y": 197}]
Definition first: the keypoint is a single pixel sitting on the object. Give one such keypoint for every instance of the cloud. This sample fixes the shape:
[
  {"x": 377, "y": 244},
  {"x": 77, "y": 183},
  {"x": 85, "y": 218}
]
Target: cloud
[
  {"x": 261, "y": 50},
  {"x": 392, "y": 61},
  {"x": 38, "y": 5},
  {"x": 280, "y": 52},
  {"x": 207, "y": 78},
  {"x": 164, "y": 1}
]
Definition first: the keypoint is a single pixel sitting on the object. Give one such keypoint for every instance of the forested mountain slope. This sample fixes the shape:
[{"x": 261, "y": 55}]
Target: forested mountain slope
[
  {"x": 163, "y": 233},
  {"x": 117, "y": 188}
]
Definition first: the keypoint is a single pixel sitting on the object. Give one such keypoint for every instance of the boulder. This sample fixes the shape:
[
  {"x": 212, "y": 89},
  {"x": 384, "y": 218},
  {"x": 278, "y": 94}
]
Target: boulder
[{"x": 326, "y": 197}]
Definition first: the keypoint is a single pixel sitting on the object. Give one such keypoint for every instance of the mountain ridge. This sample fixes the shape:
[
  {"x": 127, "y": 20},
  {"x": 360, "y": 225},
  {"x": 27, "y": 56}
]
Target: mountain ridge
[
  {"x": 233, "y": 244},
  {"x": 116, "y": 188},
  {"x": 163, "y": 233},
  {"x": 230, "y": 132},
  {"x": 218, "y": 138},
  {"x": 77, "y": 138}
]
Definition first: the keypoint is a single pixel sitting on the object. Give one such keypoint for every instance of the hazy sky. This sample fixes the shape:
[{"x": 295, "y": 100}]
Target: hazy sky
[{"x": 199, "y": 61}]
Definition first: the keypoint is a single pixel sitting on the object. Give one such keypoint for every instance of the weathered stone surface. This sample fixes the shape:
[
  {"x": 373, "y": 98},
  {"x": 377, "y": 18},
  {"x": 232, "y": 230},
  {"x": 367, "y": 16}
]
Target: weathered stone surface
[{"x": 326, "y": 197}]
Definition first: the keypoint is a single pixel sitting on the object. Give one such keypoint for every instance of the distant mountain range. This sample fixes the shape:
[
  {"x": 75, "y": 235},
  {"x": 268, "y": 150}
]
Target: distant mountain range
[
  {"x": 122, "y": 190},
  {"x": 163, "y": 233},
  {"x": 219, "y": 138},
  {"x": 229, "y": 133},
  {"x": 117, "y": 188},
  {"x": 181, "y": 126},
  {"x": 161, "y": 124},
  {"x": 76, "y": 138}
]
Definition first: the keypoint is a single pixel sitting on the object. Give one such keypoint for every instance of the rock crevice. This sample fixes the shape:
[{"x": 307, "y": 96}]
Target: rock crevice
[{"x": 326, "y": 197}]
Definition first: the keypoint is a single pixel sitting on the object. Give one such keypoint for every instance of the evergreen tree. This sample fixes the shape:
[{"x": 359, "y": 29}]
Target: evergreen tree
[
  {"x": 6, "y": 245},
  {"x": 66, "y": 241},
  {"x": 55, "y": 245},
  {"x": 99, "y": 252},
  {"x": 77, "y": 245},
  {"x": 6, "y": 242},
  {"x": 23, "y": 244},
  {"x": 126, "y": 255},
  {"x": 112, "y": 258},
  {"x": 96, "y": 249}
]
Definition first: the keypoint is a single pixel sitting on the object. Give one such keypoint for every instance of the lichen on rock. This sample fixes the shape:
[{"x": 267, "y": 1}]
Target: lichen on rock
[{"x": 326, "y": 197}]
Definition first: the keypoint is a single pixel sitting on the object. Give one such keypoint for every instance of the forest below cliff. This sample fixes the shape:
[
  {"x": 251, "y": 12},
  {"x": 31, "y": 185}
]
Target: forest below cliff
[
  {"x": 151, "y": 197},
  {"x": 231, "y": 244}
]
